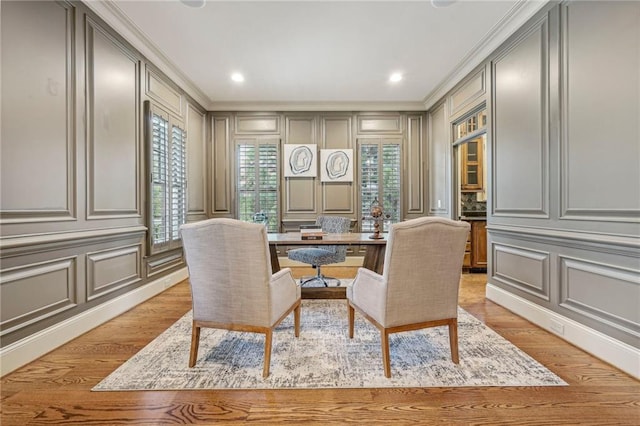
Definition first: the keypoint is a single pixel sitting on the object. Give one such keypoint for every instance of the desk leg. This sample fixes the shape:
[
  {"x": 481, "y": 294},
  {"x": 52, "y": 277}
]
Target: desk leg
[
  {"x": 374, "y": 258},
  {"x": 275, "y": 263}
]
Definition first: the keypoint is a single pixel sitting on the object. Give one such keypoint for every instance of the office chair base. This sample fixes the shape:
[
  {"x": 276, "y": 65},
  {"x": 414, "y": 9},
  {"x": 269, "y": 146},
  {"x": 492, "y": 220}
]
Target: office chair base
[{"x": 321, "y": 278}]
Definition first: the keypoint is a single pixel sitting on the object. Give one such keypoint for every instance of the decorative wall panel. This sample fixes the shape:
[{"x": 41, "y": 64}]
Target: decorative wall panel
[
  {"x": 196, "y": 164},
  {"x": 336, "y": 133},
  {"x": 112, "y": 126},
  {"x": 300, "y": 194},
  {"x": 603, "y": 38},
  {"x": 586, "y": 287},
  {"x": 38, "y": 102},
  {"x": 260, "y": 124},
  {"x": 439, "y": 157},
  {"x": 414, "y": 171},
  {"x": 521, "y": 131},
  {"x": 111, "y": 269},
  {"x": 522, "y": 268},
  {"x": 380, "y": 124},
  {"x": 161, "y": 92},
  {"x": 33, "y": 292},
  {"x": 467, "y": 94},
  {"x": 221, "y": 166}
]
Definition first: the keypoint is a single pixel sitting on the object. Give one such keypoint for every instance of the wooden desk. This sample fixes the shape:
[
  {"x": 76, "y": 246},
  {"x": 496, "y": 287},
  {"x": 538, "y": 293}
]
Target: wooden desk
[{"x": 373, "y": 258}]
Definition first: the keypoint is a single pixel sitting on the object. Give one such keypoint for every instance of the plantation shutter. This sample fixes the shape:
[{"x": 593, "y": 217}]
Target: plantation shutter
[
  {"x": 380, "y": 178},
  {"x": 258, "y": 180}
]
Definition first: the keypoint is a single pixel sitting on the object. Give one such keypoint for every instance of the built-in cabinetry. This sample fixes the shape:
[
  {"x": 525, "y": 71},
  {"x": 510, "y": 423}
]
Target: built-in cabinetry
[
  {"x": 475, "y": 256},
  {"x": 472, "y": 157}
]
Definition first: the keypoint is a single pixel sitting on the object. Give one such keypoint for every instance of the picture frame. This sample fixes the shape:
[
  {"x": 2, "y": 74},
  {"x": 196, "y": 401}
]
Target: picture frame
[
  {"x": 300, "y": 160},
  {"x": 337, "y": 165}
]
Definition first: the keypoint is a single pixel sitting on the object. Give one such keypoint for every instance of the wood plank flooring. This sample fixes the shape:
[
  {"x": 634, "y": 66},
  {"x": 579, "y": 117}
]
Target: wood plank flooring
[{"x": 56, "y": 388}]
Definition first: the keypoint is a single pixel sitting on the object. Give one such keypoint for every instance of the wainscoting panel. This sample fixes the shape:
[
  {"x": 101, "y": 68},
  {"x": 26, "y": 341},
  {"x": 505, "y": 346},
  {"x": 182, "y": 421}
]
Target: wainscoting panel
[
  {"x": 33, "y": 292},
  {"x": 439, "y": 157},
  {"x": 164, "y": 262},
  {"x": 38, "y": 113},
  {"x": 160, "y": 91},
  {"x": 522, "y": 268},
  {"x": 300, "y": 129},
  {"x": 613, "y": 32},
  {"x": 586, "y": 286},
  {"x": 301, "y": 194},
  {"x": 111, "y": 269},
  {"x": 196, "y": 164},
  {"x": 521, "y": 135},
  {"x": 221, "y": 166},
  {"x": 335, "y": 132},
  {"x": 113, "y": 127}
]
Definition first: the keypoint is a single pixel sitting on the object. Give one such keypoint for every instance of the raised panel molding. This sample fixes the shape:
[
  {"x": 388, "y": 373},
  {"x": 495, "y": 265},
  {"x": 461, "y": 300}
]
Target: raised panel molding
[
  {"x": 520, "y": 144},
  {"x": 44, "y": 289},
  {"x": 337, "y": 198},
  {"x": 414, "y": 170},
  {"x": 221, "y": 166},
  {"x": 439, "y": 157},
  {"x": 335, "y": 132},
  {"x": 111, "y": 269},
  {"x": 468, "y": 94},
  {"x": 300, "y": 195},
  {"x": 586, "y": 192},
  {"x": 160, "y": 91},
  {"x": 257, "y": 124},
  {"x": 51, "y": 194},
  {"x": 586, "y": 286},
  {"x": 300, "y": 129},
  {"x": 164, "y": 262},
  {"x": 113, "y": 126},
  {"x": 522, "y": 268},
  {"x": 196, "y": 164},
  {"x": 380, "y": 124}
]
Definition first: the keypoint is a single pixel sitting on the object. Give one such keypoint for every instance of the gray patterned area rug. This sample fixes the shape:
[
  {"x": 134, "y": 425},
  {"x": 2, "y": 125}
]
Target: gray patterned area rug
[{"x": 324, "y": 357}]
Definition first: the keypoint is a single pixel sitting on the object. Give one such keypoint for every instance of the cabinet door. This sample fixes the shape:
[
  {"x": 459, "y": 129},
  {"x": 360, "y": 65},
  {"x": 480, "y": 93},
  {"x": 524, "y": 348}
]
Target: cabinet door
[
  {"x": 479, "y": 244},
  {"x": 472, "y": 165}
]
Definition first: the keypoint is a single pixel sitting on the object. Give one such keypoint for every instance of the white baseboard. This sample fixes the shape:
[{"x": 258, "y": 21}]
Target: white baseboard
[
  {"x": 617, "y": 353},
  {"x": 30, "y": 348}
]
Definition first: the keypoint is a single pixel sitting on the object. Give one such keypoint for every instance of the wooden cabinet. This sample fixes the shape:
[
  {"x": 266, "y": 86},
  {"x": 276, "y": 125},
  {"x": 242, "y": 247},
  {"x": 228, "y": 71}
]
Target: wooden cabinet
[
  {"x": 475, "y": 256},
  {"x": 472, "y": 161}
]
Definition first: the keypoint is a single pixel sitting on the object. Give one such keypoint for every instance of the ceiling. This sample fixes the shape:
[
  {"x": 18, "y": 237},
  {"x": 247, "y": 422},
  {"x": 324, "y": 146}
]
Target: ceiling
[{"x": 315, "y": 53}]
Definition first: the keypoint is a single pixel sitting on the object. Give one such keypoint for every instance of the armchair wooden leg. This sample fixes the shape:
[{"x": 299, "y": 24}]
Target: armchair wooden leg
[
  {"x": 453, "y": 340},
  {"x": 267, "y": 353},
  {"x": 384, "y": 337},
  {"x": 296, "y": 320},
  {"x": 352, "y": 315},
  {"x": 195, "y": 340}
]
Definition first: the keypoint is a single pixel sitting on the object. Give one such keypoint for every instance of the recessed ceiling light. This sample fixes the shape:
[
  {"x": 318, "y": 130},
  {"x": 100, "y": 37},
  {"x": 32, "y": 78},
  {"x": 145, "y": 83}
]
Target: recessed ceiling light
[
  {"x": 395, "y": 77},
  {"x": 237, "y": 77}
]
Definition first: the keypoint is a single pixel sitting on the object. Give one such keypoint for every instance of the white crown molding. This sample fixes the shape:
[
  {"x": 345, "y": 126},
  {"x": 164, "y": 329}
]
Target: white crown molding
[
  {"x": 120, "y": 22},
  {"x": 519, "y": 14},
  {"x": 316, "y": 106}
]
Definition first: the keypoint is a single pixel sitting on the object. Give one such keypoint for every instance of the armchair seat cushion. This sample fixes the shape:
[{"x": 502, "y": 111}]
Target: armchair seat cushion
[{"x": 314, "y": 256}]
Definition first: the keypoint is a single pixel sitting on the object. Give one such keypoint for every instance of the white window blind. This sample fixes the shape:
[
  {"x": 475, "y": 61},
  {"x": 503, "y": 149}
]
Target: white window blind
[
  {"x": 168, "y": 182},
  {"x": 380, "y": 178},
  {"x": 257, "y": 180}
]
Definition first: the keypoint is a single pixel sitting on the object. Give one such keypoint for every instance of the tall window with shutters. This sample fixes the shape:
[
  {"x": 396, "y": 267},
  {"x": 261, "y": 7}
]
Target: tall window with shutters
[
  {"x": 380, "y": 177},
  {"x": 257, "y": 180},
  {"x": 168, "y": 192}
]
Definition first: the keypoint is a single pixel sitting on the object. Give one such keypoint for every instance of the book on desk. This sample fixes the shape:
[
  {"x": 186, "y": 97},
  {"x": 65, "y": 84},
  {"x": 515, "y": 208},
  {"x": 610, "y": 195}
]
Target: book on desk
[{"x": 310, "y": 232}]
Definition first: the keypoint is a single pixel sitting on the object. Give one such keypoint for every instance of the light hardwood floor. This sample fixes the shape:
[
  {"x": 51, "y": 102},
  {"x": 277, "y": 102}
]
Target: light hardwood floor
[{"x": 56, "y": 388}]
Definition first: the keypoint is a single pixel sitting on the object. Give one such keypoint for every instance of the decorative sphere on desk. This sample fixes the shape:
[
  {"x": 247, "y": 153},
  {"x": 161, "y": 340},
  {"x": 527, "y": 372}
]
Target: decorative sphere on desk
[{"x": 376, "y": 211}]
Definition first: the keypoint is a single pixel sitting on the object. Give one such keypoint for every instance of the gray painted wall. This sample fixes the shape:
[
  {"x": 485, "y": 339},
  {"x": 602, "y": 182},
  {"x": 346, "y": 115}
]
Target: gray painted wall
[{"x": 72, "y": 206}]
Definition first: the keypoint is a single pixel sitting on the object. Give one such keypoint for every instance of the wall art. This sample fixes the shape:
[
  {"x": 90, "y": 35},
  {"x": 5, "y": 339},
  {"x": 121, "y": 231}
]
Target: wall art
[
  {"x": 337, "y": 165},
  {"x": 300, "y": 160}
]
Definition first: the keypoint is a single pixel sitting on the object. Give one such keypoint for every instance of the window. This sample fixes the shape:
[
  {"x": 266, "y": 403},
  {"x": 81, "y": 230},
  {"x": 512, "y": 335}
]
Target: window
[
  {"x": 380, "y": 165},
  {"x": 258, "y": 178},
  {"x": 168, "y": 181}
]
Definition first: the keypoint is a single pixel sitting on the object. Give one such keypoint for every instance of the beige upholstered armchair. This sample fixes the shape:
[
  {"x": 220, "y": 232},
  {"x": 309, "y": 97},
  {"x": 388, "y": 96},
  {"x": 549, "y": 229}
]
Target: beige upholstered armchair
[
  {"x": 232, "y": 286},
  {"x": 419, "y": 284}
]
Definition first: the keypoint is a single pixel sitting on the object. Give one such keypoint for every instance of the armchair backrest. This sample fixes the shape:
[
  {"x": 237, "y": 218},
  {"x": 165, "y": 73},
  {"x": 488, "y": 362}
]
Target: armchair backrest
[
  {"x": 422, "y": 267},
  {"x": 229, "y": 270},
  {"x": 335, "y": 225}
]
